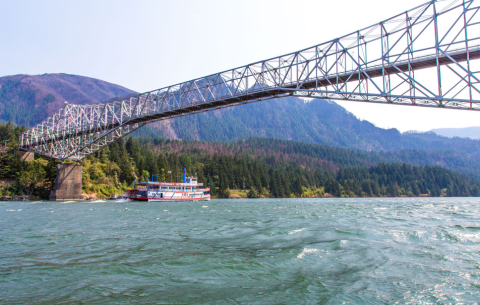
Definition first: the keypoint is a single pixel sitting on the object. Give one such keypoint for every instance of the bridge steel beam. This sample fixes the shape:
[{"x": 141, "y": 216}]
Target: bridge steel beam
[{"x": 428, "y": 56}]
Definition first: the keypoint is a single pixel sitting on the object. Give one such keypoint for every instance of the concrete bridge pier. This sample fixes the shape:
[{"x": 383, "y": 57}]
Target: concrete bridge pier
[{"x": 68, "y": 184}]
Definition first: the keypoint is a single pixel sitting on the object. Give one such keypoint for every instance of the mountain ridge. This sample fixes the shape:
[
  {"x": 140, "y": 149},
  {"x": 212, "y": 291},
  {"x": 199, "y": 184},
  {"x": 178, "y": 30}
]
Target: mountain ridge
[
  {"x": 29, "y": 99},
  {"x": 465, "y": 132}
]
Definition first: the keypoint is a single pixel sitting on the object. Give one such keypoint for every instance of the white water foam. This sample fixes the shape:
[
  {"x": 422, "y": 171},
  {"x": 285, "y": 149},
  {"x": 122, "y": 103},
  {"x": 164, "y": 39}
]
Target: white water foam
[
  {"x": 296, "y": 231},
  {"x": 306, "y": 251}
]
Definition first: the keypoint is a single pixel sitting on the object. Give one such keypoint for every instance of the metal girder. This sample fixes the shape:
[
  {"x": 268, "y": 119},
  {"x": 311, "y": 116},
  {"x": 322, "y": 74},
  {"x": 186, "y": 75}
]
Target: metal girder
[{"x": 428, "y": 56}]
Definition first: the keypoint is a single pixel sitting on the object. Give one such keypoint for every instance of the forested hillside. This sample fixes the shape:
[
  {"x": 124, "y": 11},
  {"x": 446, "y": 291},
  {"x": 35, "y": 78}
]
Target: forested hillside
[
  {"x": 323, "y": 156},
  {"x": 253, "y": 167},
  {"x": 290, "y": 118},
  {"x": 286, "y": 168}
]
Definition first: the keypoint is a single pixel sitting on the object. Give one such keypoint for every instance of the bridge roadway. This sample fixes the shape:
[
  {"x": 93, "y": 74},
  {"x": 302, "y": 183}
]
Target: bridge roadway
[{"x": 274, "y": 92}]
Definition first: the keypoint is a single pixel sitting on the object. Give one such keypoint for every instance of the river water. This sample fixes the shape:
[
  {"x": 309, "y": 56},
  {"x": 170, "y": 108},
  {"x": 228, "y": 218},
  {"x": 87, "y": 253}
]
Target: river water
[{"x": 255, "y": 251}]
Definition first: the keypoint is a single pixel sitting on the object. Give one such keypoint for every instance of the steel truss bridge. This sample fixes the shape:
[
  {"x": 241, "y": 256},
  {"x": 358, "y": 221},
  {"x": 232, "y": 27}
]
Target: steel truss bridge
[{"x": 427, "y": 56}]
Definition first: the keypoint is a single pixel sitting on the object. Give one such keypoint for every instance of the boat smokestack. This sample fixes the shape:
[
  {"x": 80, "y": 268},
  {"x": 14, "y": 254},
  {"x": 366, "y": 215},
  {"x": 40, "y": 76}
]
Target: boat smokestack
[{"x": 184, "y": 175}]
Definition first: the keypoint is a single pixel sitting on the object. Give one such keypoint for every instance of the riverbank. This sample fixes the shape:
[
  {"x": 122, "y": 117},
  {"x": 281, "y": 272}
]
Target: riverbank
[{"x": 108, "y": 192}]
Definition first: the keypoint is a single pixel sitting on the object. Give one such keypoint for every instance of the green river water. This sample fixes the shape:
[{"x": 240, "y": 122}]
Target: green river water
[{"x": 255, "y": 251}]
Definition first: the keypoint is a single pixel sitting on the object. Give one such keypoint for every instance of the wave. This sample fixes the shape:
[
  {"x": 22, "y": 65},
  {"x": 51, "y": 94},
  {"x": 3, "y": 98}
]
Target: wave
[
  {"x": 307, "y": 251},
  {"x": 296, "y": 231}
]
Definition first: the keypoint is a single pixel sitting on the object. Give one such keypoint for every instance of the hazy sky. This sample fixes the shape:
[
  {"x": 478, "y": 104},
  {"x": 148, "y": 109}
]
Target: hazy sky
[{"x": 145, "y": 45}]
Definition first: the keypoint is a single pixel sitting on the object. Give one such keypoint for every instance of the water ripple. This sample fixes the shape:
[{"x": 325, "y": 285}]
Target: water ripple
[{"x": 289, "y": 251}]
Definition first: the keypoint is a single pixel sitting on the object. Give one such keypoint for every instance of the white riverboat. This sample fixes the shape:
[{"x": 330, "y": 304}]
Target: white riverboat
[{"x": 187, "y": 190}]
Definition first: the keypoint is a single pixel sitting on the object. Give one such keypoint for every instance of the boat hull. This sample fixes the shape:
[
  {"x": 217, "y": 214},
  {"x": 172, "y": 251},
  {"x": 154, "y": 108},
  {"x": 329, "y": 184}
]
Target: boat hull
[
  {"x": 171, "y": 200},
  {"x": 165, "y": 199}
]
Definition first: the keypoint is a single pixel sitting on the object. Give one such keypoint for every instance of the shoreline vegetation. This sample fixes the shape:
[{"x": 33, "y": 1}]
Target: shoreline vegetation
[
  {"x": 319, "y": 193},
  {"x": 247, "y": 168}
]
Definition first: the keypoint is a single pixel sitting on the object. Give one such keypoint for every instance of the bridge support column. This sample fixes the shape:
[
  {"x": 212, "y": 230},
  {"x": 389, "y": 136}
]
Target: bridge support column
[{"x": 68, "y": 185}]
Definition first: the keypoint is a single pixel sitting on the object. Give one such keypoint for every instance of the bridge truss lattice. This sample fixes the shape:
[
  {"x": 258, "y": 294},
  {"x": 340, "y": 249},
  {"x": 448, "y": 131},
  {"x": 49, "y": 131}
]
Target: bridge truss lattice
[{"x": 427, "y": 56}]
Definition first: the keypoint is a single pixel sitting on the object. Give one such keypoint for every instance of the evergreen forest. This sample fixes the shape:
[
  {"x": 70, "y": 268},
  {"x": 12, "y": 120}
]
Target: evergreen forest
[{"x": 254, "y": 167}]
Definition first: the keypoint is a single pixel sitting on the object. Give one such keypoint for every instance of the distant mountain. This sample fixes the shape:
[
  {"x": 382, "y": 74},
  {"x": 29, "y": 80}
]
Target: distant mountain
[
  {"x": 316, "y": 121},
  {"x": 467, "y": 132},
  {"x": 289, "y": 118},
  {"x": 29, "y": 99}
]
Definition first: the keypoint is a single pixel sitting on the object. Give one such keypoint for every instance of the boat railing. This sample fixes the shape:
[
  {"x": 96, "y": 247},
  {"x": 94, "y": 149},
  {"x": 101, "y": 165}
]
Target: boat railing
[
  {"x": 185, "y": 190},
  {"x": 169, "y": 183}
]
